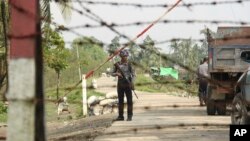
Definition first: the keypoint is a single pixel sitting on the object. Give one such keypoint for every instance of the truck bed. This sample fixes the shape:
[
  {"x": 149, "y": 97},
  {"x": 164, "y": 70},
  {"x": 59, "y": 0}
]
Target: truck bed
[
  {"x": 229, "y": 58},
  {"x": 229, "y": 50}
]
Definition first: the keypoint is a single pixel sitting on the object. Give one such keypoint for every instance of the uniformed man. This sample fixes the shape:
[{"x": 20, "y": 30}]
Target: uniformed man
[{"x": 124, "y": 85}]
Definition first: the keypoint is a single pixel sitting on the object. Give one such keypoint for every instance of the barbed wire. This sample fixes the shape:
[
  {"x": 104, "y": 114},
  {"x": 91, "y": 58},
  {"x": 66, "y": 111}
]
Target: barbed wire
[
  {"x": 102, "y": 22},
  {"x": 203, "y": 40},
  {"x": 165, "y": 57},
  {"x": 147, "y": 107},
  {"x": 164, "y": 126},
  {"x": 89, "y": 14},
  {"x": 173, "y": 83},
  {"x": 98, "y": 19},
  {"x": 32, "y": 16},
  {"x": 111, "y": 26},
  {"x": 168, "y": 40},
  {"x": 189, "y": 21},
  {"x": 139, "y": 5},
  {"x": 92, "y": 16},
  {"x": 135, "y": 130}
]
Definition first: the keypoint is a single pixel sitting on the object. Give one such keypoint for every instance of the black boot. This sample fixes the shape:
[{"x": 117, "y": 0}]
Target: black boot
[
  {"x": 119, "y": 118},
  {"x": 120, "y": 110},
  {"x": 130, "y": 111},
  {"x": 129, "y": 118}
]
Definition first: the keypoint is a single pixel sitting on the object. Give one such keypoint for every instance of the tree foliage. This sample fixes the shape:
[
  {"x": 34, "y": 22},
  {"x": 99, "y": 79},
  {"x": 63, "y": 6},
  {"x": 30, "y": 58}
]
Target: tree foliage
[
  {"x": 149, "y": 53},
  {"x": 64, "y": 5},
  {"x": 4, "y": 20},
  {"x": 189, "y": 54},
  {"x": 55, "y": 53},
  {"x": 145, "y": 55},
  {"x": 91, "y": 54}
]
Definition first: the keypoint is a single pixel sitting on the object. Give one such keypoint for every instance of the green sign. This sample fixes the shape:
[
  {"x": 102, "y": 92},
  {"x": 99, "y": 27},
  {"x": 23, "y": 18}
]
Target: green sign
[{"x": 169, "y": 71}]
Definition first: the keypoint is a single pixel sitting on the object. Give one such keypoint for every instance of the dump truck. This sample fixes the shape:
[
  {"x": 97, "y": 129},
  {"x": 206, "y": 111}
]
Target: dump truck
[{"x": 229, "y": 57}]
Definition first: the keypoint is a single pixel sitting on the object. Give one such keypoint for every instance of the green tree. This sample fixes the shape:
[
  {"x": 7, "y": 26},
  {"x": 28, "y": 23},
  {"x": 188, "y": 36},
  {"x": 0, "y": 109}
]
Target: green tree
[
  {"x": 149, "y": 54},
  {"x": 135, "y": 55},
  {"x": 64, "y": 5},
  {"x": 115, "y": 45},
  {"x": 204, "y": 46},
  {"x": 91, "y": 54},
  {"x": 187, "y": 53},
  {"x": 4, "y": 18},
  {"x": 55, "y": 53}
]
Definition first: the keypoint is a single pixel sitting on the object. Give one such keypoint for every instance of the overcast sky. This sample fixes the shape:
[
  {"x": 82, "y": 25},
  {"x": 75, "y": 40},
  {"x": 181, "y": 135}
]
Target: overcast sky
[{"x": 159, "y": 32}]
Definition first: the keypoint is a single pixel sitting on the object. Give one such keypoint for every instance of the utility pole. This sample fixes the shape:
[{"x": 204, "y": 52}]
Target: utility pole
[
  {"x": 84, "y": 96},
  {"x": 79, "y": 65},
  {"x": 25, "y": 93}
]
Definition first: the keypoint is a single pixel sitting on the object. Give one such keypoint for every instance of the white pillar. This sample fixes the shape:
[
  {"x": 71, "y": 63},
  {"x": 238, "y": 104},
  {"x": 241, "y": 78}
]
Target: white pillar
[
  {"x": 84, "y": 96},
  {"x": 21, "y": 95}
]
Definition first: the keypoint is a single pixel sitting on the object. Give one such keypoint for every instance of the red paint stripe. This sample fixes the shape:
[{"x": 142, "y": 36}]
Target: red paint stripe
[
  {"x": 89, "y": 74},
  {"x": 145, "y": 30},
  {"x": 23, "y": 23}
]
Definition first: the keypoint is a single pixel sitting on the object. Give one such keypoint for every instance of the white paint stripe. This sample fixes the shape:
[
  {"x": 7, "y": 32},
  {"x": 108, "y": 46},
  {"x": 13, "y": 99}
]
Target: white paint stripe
[{"x": 21, "y": 79}]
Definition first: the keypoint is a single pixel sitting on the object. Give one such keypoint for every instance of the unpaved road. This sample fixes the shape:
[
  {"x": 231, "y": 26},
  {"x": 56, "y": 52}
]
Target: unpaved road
[{"x": 161, "y": 117}]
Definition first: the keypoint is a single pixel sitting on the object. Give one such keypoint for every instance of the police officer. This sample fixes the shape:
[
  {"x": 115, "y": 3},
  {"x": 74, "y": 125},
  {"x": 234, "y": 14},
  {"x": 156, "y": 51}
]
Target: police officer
[{"x": 124, "y": 85}]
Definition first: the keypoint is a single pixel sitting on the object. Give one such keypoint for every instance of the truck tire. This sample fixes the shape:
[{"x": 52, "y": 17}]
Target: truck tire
[
  {"x": 221, "y": 107},
  {"x": 239, "y": 111},
  {"x": 211, "y": 108}
]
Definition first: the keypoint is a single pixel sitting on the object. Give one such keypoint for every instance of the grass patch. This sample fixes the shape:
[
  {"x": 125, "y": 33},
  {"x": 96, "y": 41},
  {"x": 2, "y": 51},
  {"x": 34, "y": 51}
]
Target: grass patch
[
  {"x": 74, "y": 100},
  {"x": 3, "y": 112},
  {"x": 146, "y": 83}
]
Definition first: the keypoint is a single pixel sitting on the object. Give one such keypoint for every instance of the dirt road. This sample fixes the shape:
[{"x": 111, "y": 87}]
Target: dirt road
[{"x": 161, "y": 117}]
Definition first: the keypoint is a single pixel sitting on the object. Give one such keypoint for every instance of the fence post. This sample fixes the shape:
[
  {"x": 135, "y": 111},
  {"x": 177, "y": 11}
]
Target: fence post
[
  {"x": 84, "y": 96},
  {"x": 25, "y": 93}
]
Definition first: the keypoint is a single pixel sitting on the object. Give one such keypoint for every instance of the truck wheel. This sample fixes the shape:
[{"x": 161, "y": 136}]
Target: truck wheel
[
  {"x": 221, "y": 107},
  {"x": 211, "y": 109},
  {"x": 239, "y": 112}
]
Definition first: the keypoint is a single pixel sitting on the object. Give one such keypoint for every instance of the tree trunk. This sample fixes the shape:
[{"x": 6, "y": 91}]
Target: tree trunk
[{"x": 57, "y": 86}]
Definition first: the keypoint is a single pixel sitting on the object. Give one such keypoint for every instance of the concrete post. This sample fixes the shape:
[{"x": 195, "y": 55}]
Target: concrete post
[
  {"x": 84, "y": 96},
  {"x": 25, "y": 93}
]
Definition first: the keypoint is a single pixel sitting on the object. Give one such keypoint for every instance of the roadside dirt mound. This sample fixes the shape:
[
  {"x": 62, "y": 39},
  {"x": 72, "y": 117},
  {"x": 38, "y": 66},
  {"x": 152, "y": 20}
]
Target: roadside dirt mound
[{"x": 79, "y": 130}]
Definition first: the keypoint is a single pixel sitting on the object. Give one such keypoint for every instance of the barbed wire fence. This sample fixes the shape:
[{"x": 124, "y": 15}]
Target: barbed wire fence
[
  {"x": 113, "y": 25},
  {"x": 101, "y": 23},
  {"x": 104, "y": 24},
  {"x": 139, "y": 5}
]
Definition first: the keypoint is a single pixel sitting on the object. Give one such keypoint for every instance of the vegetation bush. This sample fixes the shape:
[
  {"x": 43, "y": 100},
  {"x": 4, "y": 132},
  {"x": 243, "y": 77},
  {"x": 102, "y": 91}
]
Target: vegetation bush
[{"x": 3, "y": 112}]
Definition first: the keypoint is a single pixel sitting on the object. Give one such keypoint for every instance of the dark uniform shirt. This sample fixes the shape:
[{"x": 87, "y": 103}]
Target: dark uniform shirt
[{"x": 127, "y": 70}]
